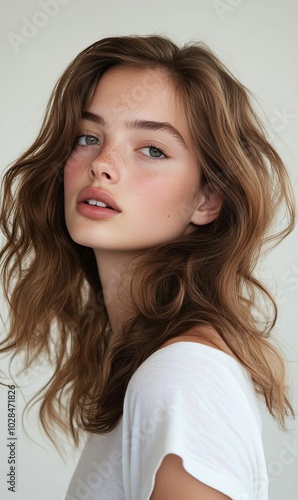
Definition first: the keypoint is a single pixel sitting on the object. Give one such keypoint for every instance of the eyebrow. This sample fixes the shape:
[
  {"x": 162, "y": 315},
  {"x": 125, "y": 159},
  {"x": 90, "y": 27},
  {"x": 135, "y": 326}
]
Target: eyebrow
[{"x": 138, "y": 125}]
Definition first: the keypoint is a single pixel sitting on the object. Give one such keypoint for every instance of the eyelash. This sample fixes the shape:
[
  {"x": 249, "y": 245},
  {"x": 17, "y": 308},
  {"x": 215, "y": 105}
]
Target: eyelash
[
  {"x": 150, "y": 145},
  {"x": 85, "y": 145}
]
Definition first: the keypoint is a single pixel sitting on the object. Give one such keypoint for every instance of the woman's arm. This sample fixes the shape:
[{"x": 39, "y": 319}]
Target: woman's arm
[{"x": 172, "y": 482}]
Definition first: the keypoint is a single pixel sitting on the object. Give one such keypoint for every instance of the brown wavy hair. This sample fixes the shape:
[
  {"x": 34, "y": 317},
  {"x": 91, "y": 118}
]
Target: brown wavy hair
[{"x": 205, "y": 278}]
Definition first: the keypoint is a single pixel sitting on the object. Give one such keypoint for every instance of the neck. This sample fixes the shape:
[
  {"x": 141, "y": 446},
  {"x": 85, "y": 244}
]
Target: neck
[{"x": 115, "y": 286}]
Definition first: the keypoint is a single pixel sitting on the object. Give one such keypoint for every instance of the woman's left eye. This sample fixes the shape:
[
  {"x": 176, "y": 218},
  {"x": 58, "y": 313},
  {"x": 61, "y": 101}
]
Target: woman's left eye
[
  {"x": 153, "y": 152},
  {"x": 87, "y": 140}
]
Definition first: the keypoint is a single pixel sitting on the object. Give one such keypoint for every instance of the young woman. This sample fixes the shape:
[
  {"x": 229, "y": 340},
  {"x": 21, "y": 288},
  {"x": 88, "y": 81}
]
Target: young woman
[{"x": 134, "y": 224}]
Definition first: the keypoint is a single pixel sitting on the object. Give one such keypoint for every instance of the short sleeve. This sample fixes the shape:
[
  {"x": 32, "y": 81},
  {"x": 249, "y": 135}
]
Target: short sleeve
[{"x": 198, "y": 403}]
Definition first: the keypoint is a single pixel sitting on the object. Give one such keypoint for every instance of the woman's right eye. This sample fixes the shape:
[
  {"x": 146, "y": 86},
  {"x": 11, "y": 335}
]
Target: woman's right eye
[{"x": 87, "y": 140}]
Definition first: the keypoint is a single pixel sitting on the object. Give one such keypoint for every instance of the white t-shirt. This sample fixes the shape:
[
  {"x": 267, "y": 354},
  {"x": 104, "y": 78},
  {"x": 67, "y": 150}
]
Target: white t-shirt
[{"x": 188, "y": 399}]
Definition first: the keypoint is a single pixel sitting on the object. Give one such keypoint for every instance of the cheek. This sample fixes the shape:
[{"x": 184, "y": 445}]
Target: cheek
[
  {"x": 168, "y": 199},
  {"x": 73, "y": 172}
]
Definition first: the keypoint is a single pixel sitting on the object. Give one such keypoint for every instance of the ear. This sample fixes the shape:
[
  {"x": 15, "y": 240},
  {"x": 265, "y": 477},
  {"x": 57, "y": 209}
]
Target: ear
[{"x": 208, "y": 208}]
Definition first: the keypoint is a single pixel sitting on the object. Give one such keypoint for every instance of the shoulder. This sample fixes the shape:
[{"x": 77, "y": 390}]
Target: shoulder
[
  {"x": 198, "y": 403},
  {"x": 195, "y": 375},
  {"x": 187, "y": 357}
]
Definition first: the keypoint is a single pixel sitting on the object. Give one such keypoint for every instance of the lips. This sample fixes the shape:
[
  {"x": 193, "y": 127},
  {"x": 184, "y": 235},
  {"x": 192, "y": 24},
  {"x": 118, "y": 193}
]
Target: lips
[{"x": 98, "y": 195}]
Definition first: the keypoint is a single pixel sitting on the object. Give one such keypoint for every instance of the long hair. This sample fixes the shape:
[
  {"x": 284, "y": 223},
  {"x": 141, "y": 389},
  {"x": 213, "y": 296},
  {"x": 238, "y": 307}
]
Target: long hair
[{"x": 204, "y": 278}]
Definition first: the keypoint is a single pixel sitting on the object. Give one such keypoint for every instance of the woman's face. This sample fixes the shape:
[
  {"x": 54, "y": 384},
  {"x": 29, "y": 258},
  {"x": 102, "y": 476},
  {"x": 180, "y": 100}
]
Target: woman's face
[{"x": 133, "y": 154}]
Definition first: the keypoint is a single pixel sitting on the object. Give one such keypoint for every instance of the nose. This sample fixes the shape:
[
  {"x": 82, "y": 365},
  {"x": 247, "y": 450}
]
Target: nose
[{"x": 104, "y": 167}]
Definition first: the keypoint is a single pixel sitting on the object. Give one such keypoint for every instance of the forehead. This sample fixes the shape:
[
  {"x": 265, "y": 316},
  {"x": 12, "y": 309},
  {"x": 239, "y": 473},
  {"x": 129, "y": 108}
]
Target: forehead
[{"x": 137, "y": 93}]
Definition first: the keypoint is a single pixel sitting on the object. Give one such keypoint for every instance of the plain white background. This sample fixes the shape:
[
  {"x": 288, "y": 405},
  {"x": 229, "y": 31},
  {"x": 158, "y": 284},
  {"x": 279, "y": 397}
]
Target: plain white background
[{"x": 257, "y": 39}]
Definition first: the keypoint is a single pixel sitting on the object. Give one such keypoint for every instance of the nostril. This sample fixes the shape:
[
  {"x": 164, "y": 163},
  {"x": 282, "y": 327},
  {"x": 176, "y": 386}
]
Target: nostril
[
  {"x": 97, "y": 172},
  {"x": 106, "y": 175}
]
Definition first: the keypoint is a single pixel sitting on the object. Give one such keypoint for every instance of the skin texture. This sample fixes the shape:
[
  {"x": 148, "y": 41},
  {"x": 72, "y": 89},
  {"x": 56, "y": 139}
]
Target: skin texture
[{"x": 159, "y": 199}]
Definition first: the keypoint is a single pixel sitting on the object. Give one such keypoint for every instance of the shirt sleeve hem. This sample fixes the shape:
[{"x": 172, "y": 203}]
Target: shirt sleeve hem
[{"x": 224, "y": 483}]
